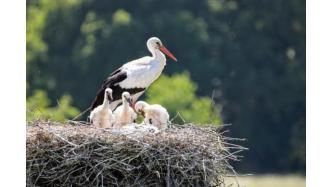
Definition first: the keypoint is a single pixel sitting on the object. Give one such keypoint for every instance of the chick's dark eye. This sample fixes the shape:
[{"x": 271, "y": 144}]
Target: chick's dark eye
[
  {"x": 150, "y": 121},
  {"x": 158, "y": 43}
]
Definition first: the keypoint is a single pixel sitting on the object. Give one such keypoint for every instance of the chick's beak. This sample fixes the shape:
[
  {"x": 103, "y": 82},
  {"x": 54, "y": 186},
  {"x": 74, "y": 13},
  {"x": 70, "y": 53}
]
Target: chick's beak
[
  {"x": 109, "y": 97},
  {"x": 131, "y": 103}
]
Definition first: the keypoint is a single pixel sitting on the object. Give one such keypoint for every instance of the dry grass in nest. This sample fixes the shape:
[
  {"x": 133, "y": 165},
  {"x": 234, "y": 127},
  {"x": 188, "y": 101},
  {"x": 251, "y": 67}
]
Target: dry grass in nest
[{"x": 81, "y": 155}]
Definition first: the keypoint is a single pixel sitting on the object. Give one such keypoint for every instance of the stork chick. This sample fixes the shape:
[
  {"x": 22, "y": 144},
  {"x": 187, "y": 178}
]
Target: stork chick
[
  {"x": 124, "y": 114},
  {"x": 102, "y": 115},
  {"x": 155, "y": 114}
]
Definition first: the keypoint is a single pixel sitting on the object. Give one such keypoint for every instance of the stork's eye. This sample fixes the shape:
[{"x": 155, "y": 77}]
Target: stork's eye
[
  {"x": 158, "y": 43},
  {"x": 150, "y": 121}
]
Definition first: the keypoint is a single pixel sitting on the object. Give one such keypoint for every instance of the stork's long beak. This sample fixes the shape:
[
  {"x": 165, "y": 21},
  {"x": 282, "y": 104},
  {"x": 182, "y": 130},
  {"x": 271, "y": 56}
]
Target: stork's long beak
[{"x": 166, "y": 52}]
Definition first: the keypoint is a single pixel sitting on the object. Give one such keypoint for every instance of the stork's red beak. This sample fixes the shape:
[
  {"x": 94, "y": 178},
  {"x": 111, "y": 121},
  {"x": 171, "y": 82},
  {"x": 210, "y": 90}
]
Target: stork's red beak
[{"x": 166, "y": 52}]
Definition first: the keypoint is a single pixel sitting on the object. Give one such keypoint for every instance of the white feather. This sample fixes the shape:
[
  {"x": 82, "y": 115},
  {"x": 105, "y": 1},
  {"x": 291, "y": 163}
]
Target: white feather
[
  {"x": 124, "y": 114},
  {"x": 142, "y": 72},
  {"x": 155, "y": 114},
  {"x": 102, "y": 115}
]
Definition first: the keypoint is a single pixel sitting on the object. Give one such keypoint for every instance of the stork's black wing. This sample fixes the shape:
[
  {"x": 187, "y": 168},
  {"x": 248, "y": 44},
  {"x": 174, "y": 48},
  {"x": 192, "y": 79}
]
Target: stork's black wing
[{"x": 115, "y": 78}]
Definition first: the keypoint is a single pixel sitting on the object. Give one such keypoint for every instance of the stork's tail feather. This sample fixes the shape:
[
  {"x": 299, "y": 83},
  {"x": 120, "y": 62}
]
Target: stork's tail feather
[{"x": 99, "y": 99}]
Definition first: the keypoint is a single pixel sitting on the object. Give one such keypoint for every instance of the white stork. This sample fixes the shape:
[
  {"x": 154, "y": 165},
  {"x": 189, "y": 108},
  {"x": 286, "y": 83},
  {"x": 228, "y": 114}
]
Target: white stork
[
  {"x": 154, "y": 114},
  {"x": 135, "y": 76},
  {"x": 102, "y": 115},
  {"x": 124, "y": 114}
]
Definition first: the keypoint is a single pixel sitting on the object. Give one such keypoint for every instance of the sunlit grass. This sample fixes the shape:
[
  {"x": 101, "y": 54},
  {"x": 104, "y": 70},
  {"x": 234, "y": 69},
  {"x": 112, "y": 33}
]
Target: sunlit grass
[{"x": 269, "y": 181}]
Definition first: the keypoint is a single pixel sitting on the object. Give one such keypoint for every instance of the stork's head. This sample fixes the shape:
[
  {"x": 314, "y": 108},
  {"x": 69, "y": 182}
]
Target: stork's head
[
  {"x": 126, "y": 97},
  {"x": 108, "y": 94},
  {"x": 140, "y": 105},
  {"x": 155, "y": 43}
]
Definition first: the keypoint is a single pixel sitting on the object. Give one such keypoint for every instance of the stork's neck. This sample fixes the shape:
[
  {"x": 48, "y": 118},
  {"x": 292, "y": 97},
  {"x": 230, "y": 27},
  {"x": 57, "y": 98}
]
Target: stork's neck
[
  {"x": 105, "y": 102},
  {"x": 158, "y": 56},
  {"x": 125, "y": 104}
]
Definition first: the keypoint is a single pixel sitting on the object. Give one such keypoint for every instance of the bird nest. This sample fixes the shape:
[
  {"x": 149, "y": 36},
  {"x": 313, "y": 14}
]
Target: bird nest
[{"x": 81, "y": 155}]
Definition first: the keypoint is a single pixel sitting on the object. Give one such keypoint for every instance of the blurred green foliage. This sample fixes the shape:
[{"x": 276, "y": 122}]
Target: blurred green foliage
[
  {"x": 121, "y": 17},
  {"x": 38, "y": 108},
  {"x": 250, "y": 54},
  {"x": 177, "y": 94}
]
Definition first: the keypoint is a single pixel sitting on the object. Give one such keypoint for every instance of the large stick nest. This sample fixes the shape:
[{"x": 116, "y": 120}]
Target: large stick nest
[{"x": 81, "y": 155}]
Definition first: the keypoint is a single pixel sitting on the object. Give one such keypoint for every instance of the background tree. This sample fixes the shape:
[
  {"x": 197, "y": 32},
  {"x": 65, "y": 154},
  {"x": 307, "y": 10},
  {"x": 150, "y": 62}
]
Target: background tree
[
  {"x": 38, "y": 108},
  {"x": 177, "y": 93}
]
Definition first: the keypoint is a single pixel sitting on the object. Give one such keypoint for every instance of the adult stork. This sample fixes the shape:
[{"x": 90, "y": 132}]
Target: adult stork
[{"x": 135, "y": 76}]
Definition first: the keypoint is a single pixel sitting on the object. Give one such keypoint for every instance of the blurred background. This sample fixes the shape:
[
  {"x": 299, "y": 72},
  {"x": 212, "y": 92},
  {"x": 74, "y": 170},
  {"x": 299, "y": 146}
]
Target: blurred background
[{"x": 240, "y": 62}]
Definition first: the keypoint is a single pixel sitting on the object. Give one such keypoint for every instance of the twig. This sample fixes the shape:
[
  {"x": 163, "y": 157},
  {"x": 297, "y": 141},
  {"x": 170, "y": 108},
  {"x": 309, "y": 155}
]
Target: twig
[{"x": 79, "y": 115}]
